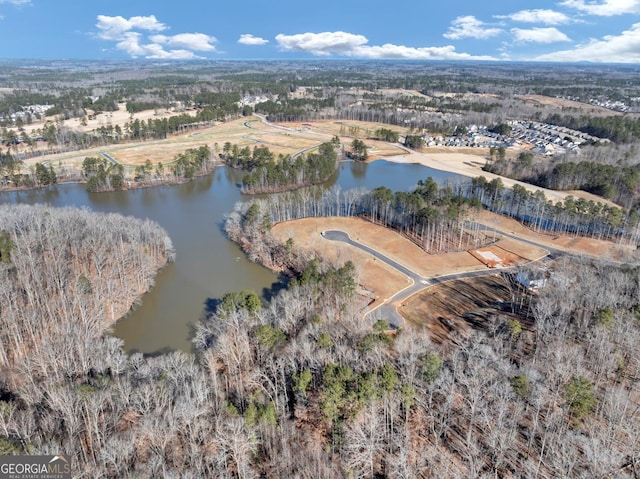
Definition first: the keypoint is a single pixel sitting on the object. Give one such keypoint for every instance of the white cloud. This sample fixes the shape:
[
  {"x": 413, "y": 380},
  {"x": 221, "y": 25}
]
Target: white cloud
[
  {"x": 155, "y": 51},
  {"x": 130, "y": 37},
  {"x": 390, "y": 51},
  {"x": 248, "y": 39},
  {"x": 546, "y": 17},
  {"x": 623, "y": 48},
  {"x": 323, "y": 43},
  {"x": 190, "y": 41},
  {"x": 351, "y": 45},
  {"x": 539, "y": 35},
  {"x": 606, "y": 8},
  {"x": 113, "y": 28},
  {"x": 130, "y": 43},
  {"x": 470, "y": 27},
  {"x": 15, "y": 2}
]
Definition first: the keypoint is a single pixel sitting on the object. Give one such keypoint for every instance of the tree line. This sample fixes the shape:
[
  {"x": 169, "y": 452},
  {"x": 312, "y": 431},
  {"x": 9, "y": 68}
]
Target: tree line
[
  {"x": 434, "y": 218},
  {"x": 38, "y": 176},
  {"x": 618, "y": 183},
  {"x": 103, "y": 175},
  {"x": 438, "y": 219},
  {"x": 571, "y": 216},
  {"x": 619, "y": 129},
  {"x": 265, "y": 174}
]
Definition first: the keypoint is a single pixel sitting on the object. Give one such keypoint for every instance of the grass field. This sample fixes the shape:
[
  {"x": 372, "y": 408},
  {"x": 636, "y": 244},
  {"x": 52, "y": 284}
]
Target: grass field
[
  {"x": 285, "y": 139},
  {"x": 360, "y": 129}
]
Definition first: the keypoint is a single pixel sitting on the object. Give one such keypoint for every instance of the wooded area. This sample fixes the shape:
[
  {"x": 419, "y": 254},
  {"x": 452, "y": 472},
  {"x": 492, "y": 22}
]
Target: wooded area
[
  {"x": 303, "y": 387},
  {"x": 266, "y": 174}
]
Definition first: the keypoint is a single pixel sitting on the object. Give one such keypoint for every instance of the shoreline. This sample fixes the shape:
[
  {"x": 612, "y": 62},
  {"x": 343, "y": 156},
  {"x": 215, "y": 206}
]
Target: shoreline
[
  {"x": 469, "y": 165},
  {"x": 132, "y": 187}
]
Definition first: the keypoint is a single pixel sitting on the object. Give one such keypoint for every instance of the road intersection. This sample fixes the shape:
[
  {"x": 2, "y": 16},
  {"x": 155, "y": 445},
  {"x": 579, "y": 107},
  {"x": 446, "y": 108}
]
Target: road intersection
[{"x": 387, "y": 310}]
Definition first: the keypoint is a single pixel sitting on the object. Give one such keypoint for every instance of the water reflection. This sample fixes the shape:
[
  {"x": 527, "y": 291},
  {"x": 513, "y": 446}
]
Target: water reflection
[{"x": 207, "y": 264}]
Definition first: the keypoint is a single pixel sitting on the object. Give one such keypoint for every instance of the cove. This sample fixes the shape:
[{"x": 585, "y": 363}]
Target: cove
[{"x": 207, "y": 264}]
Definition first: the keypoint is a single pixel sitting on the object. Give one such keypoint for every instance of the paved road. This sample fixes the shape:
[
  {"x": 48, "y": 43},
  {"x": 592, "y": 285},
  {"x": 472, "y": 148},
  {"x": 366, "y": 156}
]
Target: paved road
[
  {"x": 387, "y": 310},
  {"x": 109, "y": 158}
]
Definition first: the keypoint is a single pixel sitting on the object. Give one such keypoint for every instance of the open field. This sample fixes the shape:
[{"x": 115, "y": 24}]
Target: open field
[
  {"x": 243, "y": 132},
  {"x": 569, "y": 104},
  {"x": 401, "y": 91},
  {"x": 290, "y": 138},
  {"x": 119, "y": 117},
  {"x": 362, "y": 129},
  {"x": 381, "y": 279},
  {"x": 377, "y": 277},
  {"x": 281, "y": 139}
]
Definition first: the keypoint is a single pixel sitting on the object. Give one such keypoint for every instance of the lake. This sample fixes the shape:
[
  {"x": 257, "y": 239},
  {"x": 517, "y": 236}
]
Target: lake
[{"x": 207, "y": 264}]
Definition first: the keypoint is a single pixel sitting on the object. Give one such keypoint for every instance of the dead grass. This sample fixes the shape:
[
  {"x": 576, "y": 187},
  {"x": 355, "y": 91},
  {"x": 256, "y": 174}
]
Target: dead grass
[
  {"x": 119, "y": 117},
  {"x": 286, "y": 139},
  {"x": 564, "y": 103},
  {"x": 289, "y": 138},
  {"x": 378, "y": 149},
  {"x": 242, "y": 132},
  {"x": 377, "y": 277},
  {"x": 139, "y": 155},
  {"x": 401, "y": 91},
  {"x": 342, "y": 127}
]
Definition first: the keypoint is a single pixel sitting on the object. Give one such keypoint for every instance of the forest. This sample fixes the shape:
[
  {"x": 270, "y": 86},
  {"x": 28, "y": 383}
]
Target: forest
[
  {"x": 301, "y": 386},
  {"x": 612, "y": 180},
  {"x": 438, "y": 98}
]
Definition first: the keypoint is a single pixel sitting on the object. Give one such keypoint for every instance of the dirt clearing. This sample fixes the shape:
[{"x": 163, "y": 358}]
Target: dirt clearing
[
  {"x": 587, "y": 246},
  {"x": 457, "y": 308},
  {"x": 381, "y": 280}
]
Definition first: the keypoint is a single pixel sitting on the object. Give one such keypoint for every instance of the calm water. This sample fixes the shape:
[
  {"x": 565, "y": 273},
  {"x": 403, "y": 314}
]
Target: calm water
[{"x": 207, "y": 264}]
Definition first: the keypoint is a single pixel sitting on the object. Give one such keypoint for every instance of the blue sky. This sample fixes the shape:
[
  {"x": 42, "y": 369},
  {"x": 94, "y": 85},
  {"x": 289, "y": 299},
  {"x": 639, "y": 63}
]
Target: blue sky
[{"x": 521, "y": 30}]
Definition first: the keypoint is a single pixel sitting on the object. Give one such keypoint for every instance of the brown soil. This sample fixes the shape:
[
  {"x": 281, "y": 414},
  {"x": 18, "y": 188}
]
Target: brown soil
[
  {"x": 457, "y": 308},
  {"x": 379, "y": 278},
  {"x": 587, "y": 246}
]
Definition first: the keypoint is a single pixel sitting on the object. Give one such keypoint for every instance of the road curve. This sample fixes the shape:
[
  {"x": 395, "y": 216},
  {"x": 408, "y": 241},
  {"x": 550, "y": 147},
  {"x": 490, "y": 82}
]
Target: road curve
[{"x": 387, "y": 310}]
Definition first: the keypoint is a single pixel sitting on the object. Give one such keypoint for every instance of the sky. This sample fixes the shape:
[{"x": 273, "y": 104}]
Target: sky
[{"x": 601, "y": 31}]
